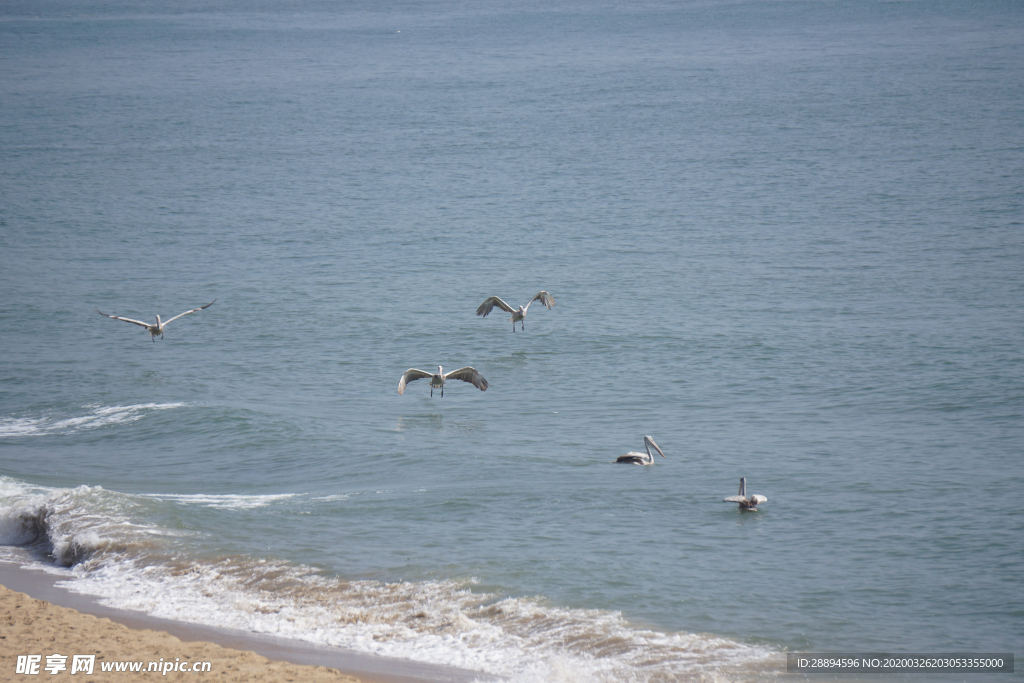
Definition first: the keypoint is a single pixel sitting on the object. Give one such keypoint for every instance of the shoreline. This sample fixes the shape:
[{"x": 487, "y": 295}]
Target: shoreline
[{"x": 79, "y": 613}]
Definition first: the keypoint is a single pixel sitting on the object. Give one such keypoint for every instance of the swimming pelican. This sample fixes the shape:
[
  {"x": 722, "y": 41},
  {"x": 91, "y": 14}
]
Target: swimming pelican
[
  {"x": 157, "y": 329},
  {"x": 466, "y": 374},
  {"x": 518, "y": 316},
  {"x": 634, "y": 458},
  {"x": 746, "y": 503}
]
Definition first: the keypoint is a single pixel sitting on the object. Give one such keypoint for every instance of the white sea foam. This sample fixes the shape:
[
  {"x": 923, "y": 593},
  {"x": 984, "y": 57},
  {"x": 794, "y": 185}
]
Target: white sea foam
[
  {"x": 222, "y": 502},
  {"x": 95, "y": 417},
  {"x": 127, "y": 564},
  {"x": 442, "y": 622},
  {"x": 331, "y": 498}
]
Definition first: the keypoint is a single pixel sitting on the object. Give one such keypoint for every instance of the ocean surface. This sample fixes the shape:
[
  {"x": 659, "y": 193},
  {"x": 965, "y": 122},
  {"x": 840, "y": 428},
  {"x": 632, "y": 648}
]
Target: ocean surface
[{"x": 784, "y": 238}]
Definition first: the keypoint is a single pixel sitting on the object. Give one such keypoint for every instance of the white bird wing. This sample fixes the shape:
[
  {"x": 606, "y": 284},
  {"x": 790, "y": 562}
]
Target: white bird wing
[
  {"x": 758, "y": 499},
  {"x": 468, "y": 374},
  {"x": 489, "y": 304},
  {"x": 410, "y": 375},
  {"x": 545, "y": 299},
  {"x": 127, "y": 320},
  {"x": 168, "y": 322},
  {"x": 736, "y": 499}
]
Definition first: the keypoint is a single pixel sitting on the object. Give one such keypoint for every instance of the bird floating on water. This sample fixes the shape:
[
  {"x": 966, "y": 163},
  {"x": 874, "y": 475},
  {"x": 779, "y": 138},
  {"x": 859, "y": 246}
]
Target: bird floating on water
[
  {"x": 518, "y": 315},
  {"x": 437, "y": 379},
  {"x": 750, "y": 503},
  {"x": 634, "y": 458},
  {"x": 158, "y": 328}
]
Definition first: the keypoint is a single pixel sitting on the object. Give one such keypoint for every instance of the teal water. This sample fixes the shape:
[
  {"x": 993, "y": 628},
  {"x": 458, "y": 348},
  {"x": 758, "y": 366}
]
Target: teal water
[{"x": 784, "y": 240}]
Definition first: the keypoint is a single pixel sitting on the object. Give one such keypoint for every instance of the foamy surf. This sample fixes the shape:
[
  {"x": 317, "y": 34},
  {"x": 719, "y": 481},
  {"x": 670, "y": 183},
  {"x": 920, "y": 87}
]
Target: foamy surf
[
  {"x": 92, "y": 417},
  {"x": 111, "y": 553},
  {"x": 223, "y": 502}
]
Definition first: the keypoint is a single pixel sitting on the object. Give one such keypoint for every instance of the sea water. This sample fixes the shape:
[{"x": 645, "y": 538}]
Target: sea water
[{"x": 784, "y": 239}]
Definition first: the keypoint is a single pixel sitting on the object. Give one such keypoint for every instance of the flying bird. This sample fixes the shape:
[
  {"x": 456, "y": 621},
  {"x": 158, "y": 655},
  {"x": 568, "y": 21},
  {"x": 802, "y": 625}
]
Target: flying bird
[
  {"x": 750, "y": 503},
  {"x": 466, "y": 374},
  {"x": 634, "y": 458},
  {"x": 518, "y": 315},
  {"x": 158, "y": 329}
]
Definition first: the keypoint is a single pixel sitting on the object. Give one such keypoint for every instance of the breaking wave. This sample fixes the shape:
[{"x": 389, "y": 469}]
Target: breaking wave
[{"x": 93, "y": 417}]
